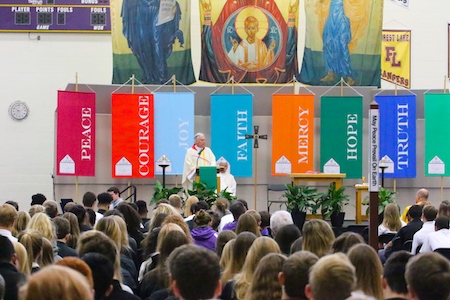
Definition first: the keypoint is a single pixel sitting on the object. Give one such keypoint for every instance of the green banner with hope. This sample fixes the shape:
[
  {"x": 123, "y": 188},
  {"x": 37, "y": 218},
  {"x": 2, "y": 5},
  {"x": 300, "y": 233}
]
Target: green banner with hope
[
  {"x": 437, "y": 134},
  {"x": 341, "y": 135}
]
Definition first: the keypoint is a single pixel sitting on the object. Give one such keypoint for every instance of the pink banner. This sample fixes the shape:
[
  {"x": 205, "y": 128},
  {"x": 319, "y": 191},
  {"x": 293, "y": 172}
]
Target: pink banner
[{"x": 75, "y": 137}]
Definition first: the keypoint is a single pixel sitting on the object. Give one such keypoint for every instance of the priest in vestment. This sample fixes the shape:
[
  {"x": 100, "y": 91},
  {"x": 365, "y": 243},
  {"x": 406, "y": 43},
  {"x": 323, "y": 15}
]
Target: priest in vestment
[
  {"x": 196, "y": 156},
  {"x": 227, "y": 180}
]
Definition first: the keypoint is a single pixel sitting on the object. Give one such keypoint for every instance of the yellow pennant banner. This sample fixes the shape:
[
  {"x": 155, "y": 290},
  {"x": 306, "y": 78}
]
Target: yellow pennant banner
[{"x": 396, "y": 57}]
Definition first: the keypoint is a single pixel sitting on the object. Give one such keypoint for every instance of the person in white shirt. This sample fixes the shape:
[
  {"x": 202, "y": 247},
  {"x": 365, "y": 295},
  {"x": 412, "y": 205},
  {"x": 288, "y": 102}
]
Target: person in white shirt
[
  {"x": 438, "y": 239},
  {"x": 115, "y": 193},
  {"x": 391, "y": 220},
  {"x": 196, "y": 156},
  {"x": 227, "y": 180},
  {"x": 429, "y": 214},
  {"x": 90, "y": 201},
  {"x": 8, "y": 214}
]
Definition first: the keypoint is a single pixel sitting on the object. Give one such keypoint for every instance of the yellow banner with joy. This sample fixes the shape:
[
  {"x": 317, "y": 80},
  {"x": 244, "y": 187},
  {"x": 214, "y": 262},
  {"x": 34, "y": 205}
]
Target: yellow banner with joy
[{"x": 396, "y": 57}]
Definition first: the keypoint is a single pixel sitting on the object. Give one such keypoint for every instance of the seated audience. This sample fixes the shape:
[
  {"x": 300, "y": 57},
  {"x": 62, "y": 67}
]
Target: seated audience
[
  {"x": 204, "y": 283},
  {"x": 331, "y": 278},
  {"x": 265, "y": 283},
  {"x": 345, "y": 241},
  {"x": 294, "y": 275},
  {"x": 318, "y": 237},
  {"x": 391, "y": 220},
  {"x": 78, "y": 265},
  {"x": 279, "y": 219},
  {"x": 102, "y": 274},
  {"x": 440, "y": 238},
  {"x": 427, "y": 276},
  {"x": 104, "y": 201},
  {"x": 56, "y": 283},
  {"x": 286, "y": 236},
  {"x": 23, "y": 218},
  {"x": 429, "y": 214},
  {"x": 51, "y": 208},
  {"x": 203, "y": 234},
  {"x": 32, "y": 240},
  {"x": 247, "y": 222},
  {"x": 8, "y": 215},
  {"x": 62, "y": 227},
  {"x": 421, "y": 197},
  {"x": 37, "y": 199},
  {"x": 393, "y": 282},
  {"x": 90, "y": 202},
  {"x": 237, "y": 209},
  {"x": 8, "y": 269}
]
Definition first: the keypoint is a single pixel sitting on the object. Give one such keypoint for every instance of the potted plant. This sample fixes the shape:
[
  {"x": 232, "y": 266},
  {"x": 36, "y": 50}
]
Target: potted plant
[
  {"x": 332, "y": 205},
  {"x": 300, "y": 199},
  {"x": 385, "y": 197},
  {"x": 163, "y": 193}
]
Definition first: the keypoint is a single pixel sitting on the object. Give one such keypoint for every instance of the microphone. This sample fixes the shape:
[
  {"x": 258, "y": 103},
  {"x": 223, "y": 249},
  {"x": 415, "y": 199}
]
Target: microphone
[{"x": 199, "y": 153}]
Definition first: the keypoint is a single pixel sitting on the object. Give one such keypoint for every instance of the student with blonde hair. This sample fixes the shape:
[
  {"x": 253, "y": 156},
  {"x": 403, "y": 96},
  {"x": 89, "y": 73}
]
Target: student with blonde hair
[
  {"x": 8, "y": 215},
  {"x": 34, "y": 209},
  {"x": 42, "y": 223},
  {"x": 331, "y": 278},
  {"x": 318, "y": 237},
  {"x": 391, "y": 220},
  {"x": 227, "y": 254},
  {"x": 57, "y": 283},
  {"x": 32, "y": 240},
  {"x": 187, "y": 206},
  {"x": 368, "y": 270},
  {"x": 47, "y": 257},
  {"x": 22, "y": 259},
  {"x": 20, "y": 224},
  {"x": 243, "y": 280}
]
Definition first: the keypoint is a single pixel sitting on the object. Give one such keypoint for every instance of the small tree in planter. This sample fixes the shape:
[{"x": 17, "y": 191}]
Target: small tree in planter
[
  {"x": 332, "y": 205},
  {"x": 300, "y": 199},
  {"x": 202, "y": 192},
  {"x": 163, "y": 193}
]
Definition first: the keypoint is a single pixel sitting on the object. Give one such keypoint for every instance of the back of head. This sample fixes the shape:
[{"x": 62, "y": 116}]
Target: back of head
[
  {"x": 222, "y": 239},
  {"x": 318, "y": 237},
  {"x": 286, "y": 236},
  {"x": 13, "y": 203},
  {"x": 102, "y": 272},
  {"x": 80, "y": 212},
  {"x": 255, "y": 214},
  {"x": 98, "y": 242},
  {"x": 391, "y": 217},
  {"x": 43, "y": 224},
  {"x": 265, "y": 218},
  {"x": 201, "y": 284},
  {"x": 89, "y": 199},
  {"x": 51, "y": 208},
  {"x": 6, "y": 249},
  {"x": 441, "y": 222},
  {"x": 104, "y": 198},
  {"x": 23, "y": 218},
  {"x": 422, "y": 194},
  {"x": 345, "y": 241},
  {"x": 37, "y": 208},
  {"x": 394, "y": 271},
  {"x": 131, "y": 216},
  {"x": 296, "y": 272},
  {"x": 247, "y": 222},
  {"x": 237, "y": 209},
  {"x": 38, "y": 199},
  {"x": 8, "y": 214},
  {"x": 175, "y": 201},
  {"x": 244, "y": 241},
  {"x": 56, "y": 283},
  {"x": 78, "y": 265},
  {"x": 202, "y": 218},
  {"x": 142, "y": 207},
  {"x": 368, "y": 269},
  {"x": 332, "y": 278},
  {"x": 243, "y": 203},
  {"x": 279, "y": 219},
  {"x": 430, "y": 212},
  {"x": 187, "y": 206},
  {"x": 265, "y": 284},
  {"x": 32, "y": 240},
  {"x": 173, "y": 240},
  {"x": 415, "y": 212},
  {"x": 427, "y": 275}
]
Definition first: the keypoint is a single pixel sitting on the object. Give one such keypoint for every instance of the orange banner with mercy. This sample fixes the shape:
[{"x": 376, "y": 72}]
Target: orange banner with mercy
[{"x": 292, "y": 134}]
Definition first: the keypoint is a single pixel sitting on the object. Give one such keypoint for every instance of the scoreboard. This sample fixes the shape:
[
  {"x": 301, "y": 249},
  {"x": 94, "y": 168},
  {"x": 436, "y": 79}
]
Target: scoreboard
[{"x": 55, "y": 16}]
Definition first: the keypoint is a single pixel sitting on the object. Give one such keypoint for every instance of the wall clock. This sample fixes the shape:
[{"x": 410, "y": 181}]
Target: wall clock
[{"x": 18, "y": 110}]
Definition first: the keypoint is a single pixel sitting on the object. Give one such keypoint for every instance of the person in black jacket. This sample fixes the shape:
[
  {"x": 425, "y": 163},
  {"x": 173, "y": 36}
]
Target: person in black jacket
[
  {"x": 62, "y": 226},
  {"x": 13, "y": 279}
]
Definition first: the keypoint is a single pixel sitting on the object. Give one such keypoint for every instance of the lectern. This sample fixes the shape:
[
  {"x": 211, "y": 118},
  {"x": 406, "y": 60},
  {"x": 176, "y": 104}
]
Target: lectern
[{"x": 208, "y": 176}]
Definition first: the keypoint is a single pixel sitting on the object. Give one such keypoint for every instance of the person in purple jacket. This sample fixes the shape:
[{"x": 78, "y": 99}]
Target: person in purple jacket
[
  {"x": 203, "y": 234},
  {"x": 237, "y": 209}
]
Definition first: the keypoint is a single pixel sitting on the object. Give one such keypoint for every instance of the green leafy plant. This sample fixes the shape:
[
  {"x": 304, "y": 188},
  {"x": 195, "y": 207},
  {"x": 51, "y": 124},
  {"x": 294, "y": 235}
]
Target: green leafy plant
[
  {"x": 301, "y": 198},
  {"x": 163, "y": 193},
  {"x": 385, "y": 197},
  {"x": 202, "y": 192},
  {"x": 333, "y": 201}
]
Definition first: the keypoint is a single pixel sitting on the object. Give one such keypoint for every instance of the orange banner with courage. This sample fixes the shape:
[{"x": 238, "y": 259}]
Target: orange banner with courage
[
  {"x": 132, "y": 136},
  {"x": 292, "y": 134}
]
